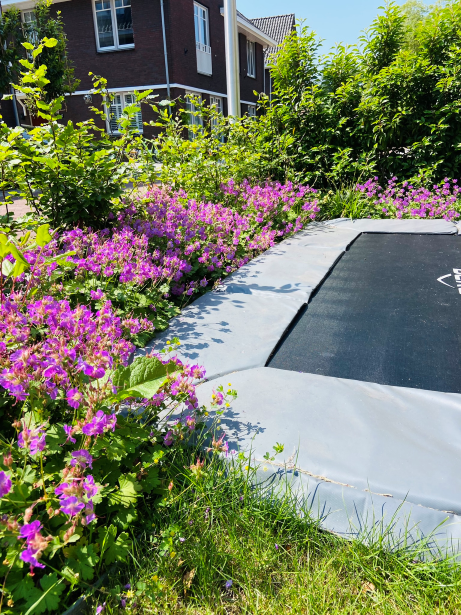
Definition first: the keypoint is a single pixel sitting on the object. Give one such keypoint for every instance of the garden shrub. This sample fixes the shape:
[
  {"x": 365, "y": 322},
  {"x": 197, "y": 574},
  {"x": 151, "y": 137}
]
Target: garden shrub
[
  {"x": 69, "y": 173},
  {"x": 396, "y": 200},
  {"x": 200, "y": 151},
  {"x": 388, "y": 108}
]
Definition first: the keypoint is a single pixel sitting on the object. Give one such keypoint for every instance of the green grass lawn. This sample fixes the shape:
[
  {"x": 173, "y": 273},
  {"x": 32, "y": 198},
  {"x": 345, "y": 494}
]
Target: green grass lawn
[{"x": 217, "y": 545}]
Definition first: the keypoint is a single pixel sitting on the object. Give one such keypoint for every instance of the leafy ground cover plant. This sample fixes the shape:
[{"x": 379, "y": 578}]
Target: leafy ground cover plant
[
  {"x": 408, "y": 201},
  {"x": 82, "y": 448},
  {"x": 196, "y": 243},
  {"x": 395, "y": 200},
  {"x": 222, "y": 545}
]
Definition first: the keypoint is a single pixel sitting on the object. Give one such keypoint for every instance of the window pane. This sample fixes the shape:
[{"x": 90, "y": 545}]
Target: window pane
[
  {"x": 115, "y": 113},
  {"x": 136, "y": 121},
  {"x": 104, "y": 24},
  {"x": 125, "y": 26},
  {"x": 201, "y": 25}
]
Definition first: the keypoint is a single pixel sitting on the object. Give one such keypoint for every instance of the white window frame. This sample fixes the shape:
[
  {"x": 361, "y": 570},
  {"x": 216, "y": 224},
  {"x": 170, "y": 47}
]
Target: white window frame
[
  {"x": 33, "y": 38},
  {"x": 251, "y": 59},
  {"x": 116, "y": 46},
  {"x": 251, "y": 110},
  {"x": 202, "y": 45},
  {"x": 123, "y": 103},
  {"x": 216, "y": 101},
  {"x": 194, "y": 120}
]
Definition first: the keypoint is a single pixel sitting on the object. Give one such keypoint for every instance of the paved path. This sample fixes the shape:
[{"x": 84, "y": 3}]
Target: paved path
[{"x": 19, "y": 208}]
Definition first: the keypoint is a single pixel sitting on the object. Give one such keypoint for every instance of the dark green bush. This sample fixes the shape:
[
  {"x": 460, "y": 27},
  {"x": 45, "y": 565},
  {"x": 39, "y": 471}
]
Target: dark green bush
[{"x": 388, "y": 108}]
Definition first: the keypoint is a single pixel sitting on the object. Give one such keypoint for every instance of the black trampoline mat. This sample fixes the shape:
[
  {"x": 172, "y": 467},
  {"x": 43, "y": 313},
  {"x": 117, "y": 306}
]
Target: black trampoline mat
[{"x": 382, "y": 316}]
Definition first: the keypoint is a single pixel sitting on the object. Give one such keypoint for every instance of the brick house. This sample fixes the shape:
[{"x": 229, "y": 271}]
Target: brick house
[{"x": 137, "y": 46}]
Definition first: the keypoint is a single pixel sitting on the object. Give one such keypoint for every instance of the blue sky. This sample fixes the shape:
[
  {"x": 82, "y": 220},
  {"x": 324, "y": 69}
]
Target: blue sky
[{"x": 333, "y": 20}]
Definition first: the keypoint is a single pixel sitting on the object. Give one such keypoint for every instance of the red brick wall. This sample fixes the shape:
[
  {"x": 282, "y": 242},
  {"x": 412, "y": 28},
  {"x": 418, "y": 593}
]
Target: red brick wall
[
  {"x": 249, "y": 84},
  {"x": 145, "y": 64}
]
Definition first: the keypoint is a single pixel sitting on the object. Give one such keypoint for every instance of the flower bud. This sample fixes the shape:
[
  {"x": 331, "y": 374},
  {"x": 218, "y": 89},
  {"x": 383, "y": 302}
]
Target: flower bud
[
  {"x": 28, "y": 514},
  {"x": 8, "y": 460},
  {"x": 70, "y": 532}
]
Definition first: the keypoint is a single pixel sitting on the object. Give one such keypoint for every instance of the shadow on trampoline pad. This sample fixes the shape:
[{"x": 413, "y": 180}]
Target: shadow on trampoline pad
[{"x": 382, "y": 316}]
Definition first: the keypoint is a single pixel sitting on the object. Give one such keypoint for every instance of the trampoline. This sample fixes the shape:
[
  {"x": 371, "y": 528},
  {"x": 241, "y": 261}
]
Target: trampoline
[
  {"x": 343, "y": 343},
  {"x": 388, "y": 313}
]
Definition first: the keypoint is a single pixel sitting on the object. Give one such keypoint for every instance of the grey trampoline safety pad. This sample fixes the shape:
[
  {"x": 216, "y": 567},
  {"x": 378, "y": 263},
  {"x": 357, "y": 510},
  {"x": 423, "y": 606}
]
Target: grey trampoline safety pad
[
  {"x": 359, "y": 452},
  {"x": 226, "y": 332},
  {"x": 363, "y": 454}
]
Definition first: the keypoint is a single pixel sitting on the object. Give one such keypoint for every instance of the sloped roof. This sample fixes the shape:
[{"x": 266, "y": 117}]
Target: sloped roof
[{"x": 277, "y": 27}]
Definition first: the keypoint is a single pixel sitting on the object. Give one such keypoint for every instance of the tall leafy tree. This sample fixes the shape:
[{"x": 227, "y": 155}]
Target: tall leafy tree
[
  {"x": 11, "y": 51},
  {"x": 59, "y": 70}
]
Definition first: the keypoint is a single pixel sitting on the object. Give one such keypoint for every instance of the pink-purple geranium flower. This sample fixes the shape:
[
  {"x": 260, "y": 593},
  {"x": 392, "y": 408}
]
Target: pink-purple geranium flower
[
  {"x": 82, "y": 458},
  {"x": 5, "y": 484}
]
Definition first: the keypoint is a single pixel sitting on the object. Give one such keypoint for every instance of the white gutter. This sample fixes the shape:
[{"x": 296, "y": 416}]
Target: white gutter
[
  {"x": 167, "y": 74},
  {"x": 253, "y": 33}
]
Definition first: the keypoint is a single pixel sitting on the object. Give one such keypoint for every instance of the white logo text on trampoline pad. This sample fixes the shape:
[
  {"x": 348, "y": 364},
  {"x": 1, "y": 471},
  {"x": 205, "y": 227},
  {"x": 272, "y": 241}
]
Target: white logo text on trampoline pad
[{"x": 457, "y": 275}]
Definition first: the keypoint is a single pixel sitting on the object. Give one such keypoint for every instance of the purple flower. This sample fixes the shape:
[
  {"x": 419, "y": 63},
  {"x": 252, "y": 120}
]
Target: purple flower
[
  {"x": 229, "y": 584},
  {"x": 5, "y": 484},
  {"x": 182, "y": 540},
  {"x": 190, "y": 422},
  {"x": 99, "y": 424},
  {"x": 89, "y": 486},
  {"x": 82, "y": 458},
  {"x": 68, "y": 431},
  {"x": 33, "y": 439},
  {"x": 89, "y": 513},
  {"x": 30, "y": 529},
  {"x": 276, "y": 547},
  {"x": 123, "y": 603},
  {"x": 168, "y": 439},
  {"x": 71, "y": 505},
  {"x": 28, "y": 556},
  {"x": 100, "y": 608},
  {"x": 74, "y": 398},
  {"x": 127, "y": 586},
  {"x": 96, "y": 294}
]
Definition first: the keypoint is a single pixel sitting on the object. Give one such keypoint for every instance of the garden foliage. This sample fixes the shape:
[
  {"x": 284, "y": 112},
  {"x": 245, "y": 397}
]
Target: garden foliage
[
  {"x": 69, "y": 173},
  {"x": 13, "y": 33},
  {"x": 81, "y": 443},
  {"x": 388, "y": 108}
]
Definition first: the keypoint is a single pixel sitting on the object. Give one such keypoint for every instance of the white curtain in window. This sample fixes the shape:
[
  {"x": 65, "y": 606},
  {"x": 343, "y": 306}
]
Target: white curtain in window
[{"x": 251, "y": 59}]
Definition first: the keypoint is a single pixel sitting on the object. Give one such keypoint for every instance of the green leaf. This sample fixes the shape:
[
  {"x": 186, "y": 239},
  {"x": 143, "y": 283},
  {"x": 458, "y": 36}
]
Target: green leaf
[
  {"x": 118, "y": 551},
  {"x": 148, "y": 369},
  {"x": 127, "y": 493},
  {"x": 50, "y": 42},
  {"x": 43, "y": 236},
  {"x": 55, "y": 436},
  {"x": 84, "y": 561},
  {"x": 124, "y": 518},
  {"x": 152, "y": 480},
  {"x": 111, "y": 548},
  {"x": 7, "y": 267},
  {"x": 22, "y": 589},
  {"x": 19, "y": 496},
  {"x": 121, "y": 377},
  {"x": 143, "y": 378},
  {"x": 48, "y": 599}
]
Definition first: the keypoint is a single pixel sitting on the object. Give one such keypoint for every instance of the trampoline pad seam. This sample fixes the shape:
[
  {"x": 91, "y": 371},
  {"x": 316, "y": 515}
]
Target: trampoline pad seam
[{"x": 287, "y": 466}]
